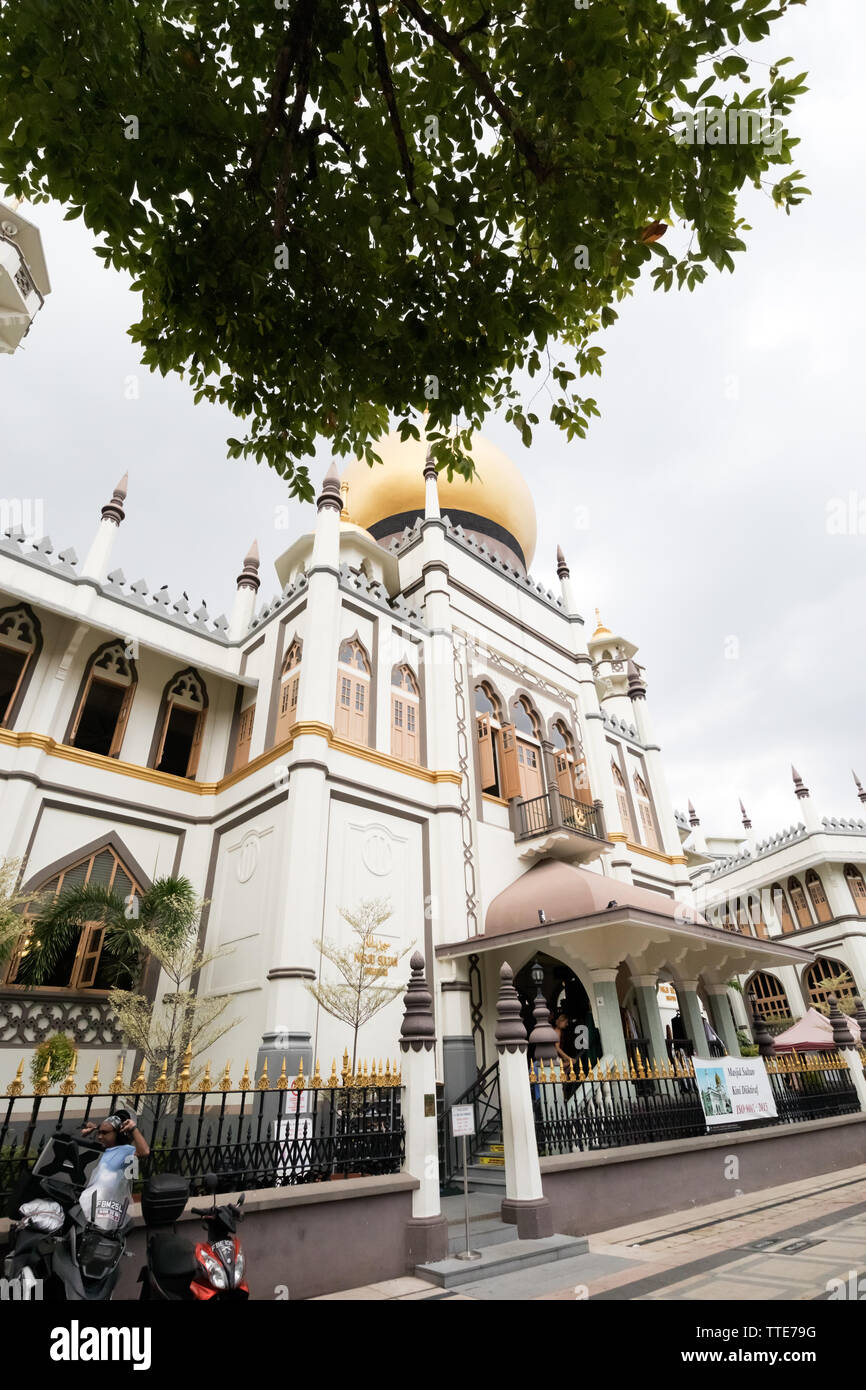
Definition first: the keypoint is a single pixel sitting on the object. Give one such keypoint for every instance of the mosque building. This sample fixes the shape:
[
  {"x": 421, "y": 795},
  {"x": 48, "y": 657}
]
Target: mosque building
[{"x": 411, "y": 719}]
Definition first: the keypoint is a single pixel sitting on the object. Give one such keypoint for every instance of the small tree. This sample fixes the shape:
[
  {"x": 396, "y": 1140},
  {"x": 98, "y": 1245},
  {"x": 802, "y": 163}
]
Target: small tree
[
  {"x": 12, "y": 905},
  {"x": 357, "y": 996},
  {"x": 179, "y": 1019}
]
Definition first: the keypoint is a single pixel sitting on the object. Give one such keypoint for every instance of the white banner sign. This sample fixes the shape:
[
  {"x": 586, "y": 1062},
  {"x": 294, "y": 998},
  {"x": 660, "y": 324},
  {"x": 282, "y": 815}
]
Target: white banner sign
[
  {"x": 734, "y": 1090},
  {"x": 462, "y": 1120}
]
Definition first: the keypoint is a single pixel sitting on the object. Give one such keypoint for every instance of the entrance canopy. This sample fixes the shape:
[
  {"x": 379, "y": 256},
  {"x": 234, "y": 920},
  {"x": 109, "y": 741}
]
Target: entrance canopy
[
  {"x": 811, "y": 1032},
  {"x": 574, "y": 912}
]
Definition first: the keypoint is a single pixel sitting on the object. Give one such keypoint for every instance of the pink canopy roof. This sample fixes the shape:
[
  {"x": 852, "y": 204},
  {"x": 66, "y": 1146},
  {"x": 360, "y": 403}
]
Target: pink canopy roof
[{"x": 811, "y": 1032}]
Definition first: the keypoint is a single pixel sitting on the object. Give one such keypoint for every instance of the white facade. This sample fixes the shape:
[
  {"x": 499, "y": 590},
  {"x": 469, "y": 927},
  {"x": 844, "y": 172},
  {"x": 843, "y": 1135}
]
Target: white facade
[{"x": 336, "y": 745}]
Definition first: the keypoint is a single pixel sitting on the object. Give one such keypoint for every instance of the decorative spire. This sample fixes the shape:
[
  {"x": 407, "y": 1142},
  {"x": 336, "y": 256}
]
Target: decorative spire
[
  {"x": 601, "y": 630},
  {"x": 249, "y": 575},
  {"x": 842, "y": 1036},
  {"x": 418, "y": 1028},
  {"x": 344, "y": 493},
  {"x": 693, "y": 816},
  {"x": 860, "y": 792},
  {"x": 636, "y": 682},
  {"x": 113, "y": 510},
  {"x": 747, "y": 824},
  {"x": 801, "y": 791},
  {"x": 510, "y": 1032},
  {"x": 431, "y": 487},
  {"x": 330, "y": 495},
  {"x": 562, "y": 569},
  {"x": 543, "y": 1038}
]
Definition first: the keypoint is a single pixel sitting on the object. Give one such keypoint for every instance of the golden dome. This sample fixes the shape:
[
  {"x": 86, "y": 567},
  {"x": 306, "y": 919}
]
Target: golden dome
[{"x": 498, "y": 492}]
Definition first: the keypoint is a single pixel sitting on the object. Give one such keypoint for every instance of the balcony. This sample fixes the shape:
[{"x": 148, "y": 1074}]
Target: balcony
[{"x": 556, "y": 826}]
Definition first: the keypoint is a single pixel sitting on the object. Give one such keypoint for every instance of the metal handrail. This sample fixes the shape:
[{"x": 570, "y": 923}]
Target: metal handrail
[
  {"x": 483, "y": 1094},
  {"x": 535, "y": 814}
]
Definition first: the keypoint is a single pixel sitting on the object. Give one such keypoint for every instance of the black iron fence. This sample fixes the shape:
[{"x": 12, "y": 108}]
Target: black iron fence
[
  {"x": 639, "y": 1102},
  {"x": 304, "y": 1131}
]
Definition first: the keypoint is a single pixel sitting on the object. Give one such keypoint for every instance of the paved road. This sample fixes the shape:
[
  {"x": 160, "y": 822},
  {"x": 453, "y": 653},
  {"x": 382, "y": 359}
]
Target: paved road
[{"x": 802, "y": 1241}]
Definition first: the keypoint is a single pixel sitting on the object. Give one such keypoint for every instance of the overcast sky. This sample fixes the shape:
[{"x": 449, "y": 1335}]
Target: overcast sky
[{"x": 731, "y": 421}]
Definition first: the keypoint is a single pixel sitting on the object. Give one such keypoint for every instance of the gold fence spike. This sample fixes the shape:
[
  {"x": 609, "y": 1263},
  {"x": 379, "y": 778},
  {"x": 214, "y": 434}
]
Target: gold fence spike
[
  {"x": 44, "y": 1082},
  {"x": 657, "y": 1076},
  {"x": 580, "y": 1072},
  {"x": 347, "y": 1070},
  {"x": 162, "y": 1082},
  {"x": 532, "y": 1076},
  {"x": 561, "y": 1071},
  {"x": 333, "y": 1079},
  {"x": 92, "y": 1087},
  {"x": 68, "y": 1087},
  {"x": 183, "y": 1074},
  {"x": 299, "y": 1082},
  {"x": 206, "y": 1084},
  {"x": 386, "y": 1075},
  {"x": 282, "y": 1079},
  {"x": 245, "y": 1083},
  {"x": 117, "y": 1084},
  {"x": 139, "y": 1085},
  {"x": 263, "y": 1084},
  {"x": 640, "y": 1067},
  {"x": 631, "y": 1071},
  {"x": 15, "y": 1087},
  {"x": 571, "y": 1075},
  {"x": 316, "y": 1081},
  {"x": 226, "y": 1079}
]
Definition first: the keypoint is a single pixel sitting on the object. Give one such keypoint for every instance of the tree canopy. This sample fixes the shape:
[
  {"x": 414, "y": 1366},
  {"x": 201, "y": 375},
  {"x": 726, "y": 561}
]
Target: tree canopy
[{"x": 342, "y": 212}]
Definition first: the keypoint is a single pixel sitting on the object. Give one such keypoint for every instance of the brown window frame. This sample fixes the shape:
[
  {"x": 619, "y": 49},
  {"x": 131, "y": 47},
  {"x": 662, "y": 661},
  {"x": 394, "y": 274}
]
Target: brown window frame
[{"x": 93, "y": 676}]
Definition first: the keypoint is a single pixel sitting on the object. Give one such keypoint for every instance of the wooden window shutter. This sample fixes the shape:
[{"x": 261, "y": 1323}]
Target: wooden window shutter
[
  {"x": 87, "y": 956},
  {"x": 245, "y": 736},
  {"x": 120, "y": 726},
  {"x": 564, "y": 779},
  {"x": 801, "y": 907},
  {"x": 195, "y": 751},
  {"x": 397, "y": 739},
  {"x": 622, "y": 802},
  {"x": 819, "y": 899},
  {"x": 284, "y": 716},
  {"x": 81, "y": 703},
  {"x": 485, "y": 753},
  {"x": 647, "y": 824},
  {"x": 510, "y": 765}
]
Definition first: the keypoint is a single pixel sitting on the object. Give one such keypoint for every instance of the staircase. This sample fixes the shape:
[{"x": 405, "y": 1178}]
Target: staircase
[
  {"x": 486, "y": 1172},
  {"x": 485, "y": 1150},
  {"x": 501, "y": 1252}
]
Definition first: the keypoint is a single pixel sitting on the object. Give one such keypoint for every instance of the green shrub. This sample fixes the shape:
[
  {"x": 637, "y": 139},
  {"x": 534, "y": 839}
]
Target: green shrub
[{"x": 59, "y": 1052}]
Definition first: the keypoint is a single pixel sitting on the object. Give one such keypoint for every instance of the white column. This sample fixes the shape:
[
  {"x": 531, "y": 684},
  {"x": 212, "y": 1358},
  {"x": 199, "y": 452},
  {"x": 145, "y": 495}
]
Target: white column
[
  {"x": 98, "y": 556},
  {"x": 244, "y": 606},
  {"x": 525, "y": 1203},
  {"x": 428, "y": 1229},
  {"x": 317, "y": 690}
]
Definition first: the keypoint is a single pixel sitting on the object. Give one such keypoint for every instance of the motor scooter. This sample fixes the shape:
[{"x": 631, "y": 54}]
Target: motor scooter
[{"x": 176, "y": 1270}]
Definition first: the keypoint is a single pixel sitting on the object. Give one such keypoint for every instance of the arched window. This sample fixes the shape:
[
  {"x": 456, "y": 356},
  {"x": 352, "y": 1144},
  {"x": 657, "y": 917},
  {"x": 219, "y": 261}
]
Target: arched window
[
  {"x": 526, "y": 729},
  {"x": 100, "y": 717},
  {"x": 181, "y": 725},
  {"x": 488, "y": 725},
  {"x": 405, "y": 714},
  {"x": 352, "y": 717},
  {"x": 571, "y": 773},
  {"x": 645, "y": 811},
  {"x": 622, "y": 800},
  {"x": 768, "y": 998},
  {"x": 290, "y": 681},
  {"x": 783, "y": 911},
  {"x": 82, "y": 964},
  {"x": 20, "y": 641},
  {"x": 798, "y": 898},
  {"x": 856, "y": 887},
  {"x": 827, "y": 977},
  {"x": 816, "y": 892}
]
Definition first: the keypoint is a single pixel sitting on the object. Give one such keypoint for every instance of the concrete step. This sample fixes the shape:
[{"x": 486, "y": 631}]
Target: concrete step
[
  {"x": 505, "y": 1257},
  {"x": 488, "y": 1159},
  {"x": 485, "y": 1179},
  {"x": 482, "y": 1233}
]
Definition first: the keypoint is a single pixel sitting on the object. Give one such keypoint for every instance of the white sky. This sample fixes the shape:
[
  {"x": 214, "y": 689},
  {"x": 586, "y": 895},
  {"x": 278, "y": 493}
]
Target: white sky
[{"x": 731, "y": 419}]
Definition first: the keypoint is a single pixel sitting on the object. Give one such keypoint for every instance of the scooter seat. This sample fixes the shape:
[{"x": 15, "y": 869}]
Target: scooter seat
[{"x": 171, "y": 1256}]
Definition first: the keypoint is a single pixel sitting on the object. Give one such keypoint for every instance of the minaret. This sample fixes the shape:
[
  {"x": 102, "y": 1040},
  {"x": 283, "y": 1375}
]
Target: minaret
[
  {"x": 431, "y": 489},
  {"x": 99, "y": 555},
  {"x": 670, "y": 836},
  {"x": 747, "y": 824},
  {"x": 859, "y": 785},
  {"x": 562, "y": 570},
  {"x": 245, "y": 599},
  {"x": 610, "y": 654},
  {"x": 329, "y": 506},
  {"x": 699, "y": 843},
  {"x": 749, "y": 841},
  {"x": 807, "y": 811}
]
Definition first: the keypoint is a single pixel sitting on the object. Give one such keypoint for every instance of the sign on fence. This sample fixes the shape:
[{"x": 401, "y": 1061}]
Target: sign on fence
[{"x": 734, "y": 1090}]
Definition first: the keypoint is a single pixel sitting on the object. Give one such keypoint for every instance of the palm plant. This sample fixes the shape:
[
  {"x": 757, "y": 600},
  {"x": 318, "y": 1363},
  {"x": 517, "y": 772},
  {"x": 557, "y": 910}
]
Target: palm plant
[{"x": 168, "y": 909}]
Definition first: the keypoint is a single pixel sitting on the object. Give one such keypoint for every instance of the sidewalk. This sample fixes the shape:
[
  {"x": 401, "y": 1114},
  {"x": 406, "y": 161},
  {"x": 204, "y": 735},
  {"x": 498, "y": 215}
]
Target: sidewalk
[{"x": 786, "y": 1242}]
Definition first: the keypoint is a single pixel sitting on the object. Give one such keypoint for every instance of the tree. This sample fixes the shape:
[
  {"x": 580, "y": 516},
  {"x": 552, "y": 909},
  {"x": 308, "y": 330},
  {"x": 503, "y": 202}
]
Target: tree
[
  {"x": 170, "y": 907},
  {"x": 341, "y": 210},
  {"x": 179, "y": 1021},
  {"x": 356, "y": 997},
  {"x": 12, "y": 904}
]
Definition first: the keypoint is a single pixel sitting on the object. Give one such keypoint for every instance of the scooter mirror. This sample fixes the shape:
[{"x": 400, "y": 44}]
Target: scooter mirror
[
  {"x": 210, "y": 1182},
  {"x": 241, "y": 1199}
]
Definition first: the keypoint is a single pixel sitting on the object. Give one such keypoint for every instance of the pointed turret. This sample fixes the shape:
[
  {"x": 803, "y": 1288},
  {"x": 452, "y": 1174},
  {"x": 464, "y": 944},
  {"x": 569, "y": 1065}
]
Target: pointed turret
[
  {"x": 636, "y": 682},
  {"x": 859, "y": 785},
  {"x": 431, "y": 489},
  {"x": 807, "y": 806},
  {"x": 564, "y": 575},
  {"x": 245, "y": 599},
  {"x": 610, "y": 654},
  {"x": 330, "y": 495},
  {"x": 112, "y": 514},
  {"x": 699, "y": 843},
  {"x": 747, "y": 824},
  {"x": 693, "y": 817}
]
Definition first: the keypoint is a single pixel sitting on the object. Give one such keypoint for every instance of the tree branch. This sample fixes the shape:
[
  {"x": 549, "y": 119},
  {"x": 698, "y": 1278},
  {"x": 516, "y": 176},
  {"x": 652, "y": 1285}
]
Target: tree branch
[
  {"x": 384, "y": 71},
  {"x": 305, "y": 16},
  {"x": 451, "y": 42}
]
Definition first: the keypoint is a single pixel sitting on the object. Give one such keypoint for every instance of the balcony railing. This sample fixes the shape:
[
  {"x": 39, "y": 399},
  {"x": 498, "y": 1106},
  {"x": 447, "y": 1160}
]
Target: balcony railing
[{"x": 554, "y": 811}]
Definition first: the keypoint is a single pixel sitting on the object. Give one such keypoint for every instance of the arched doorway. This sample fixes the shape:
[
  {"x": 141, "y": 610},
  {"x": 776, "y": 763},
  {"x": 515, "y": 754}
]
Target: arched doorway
[{"x": 563, "y": 993}]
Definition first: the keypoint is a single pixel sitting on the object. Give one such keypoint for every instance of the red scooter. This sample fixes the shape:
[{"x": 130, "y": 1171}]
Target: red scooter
[{"x": 176, "y": 1271}]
